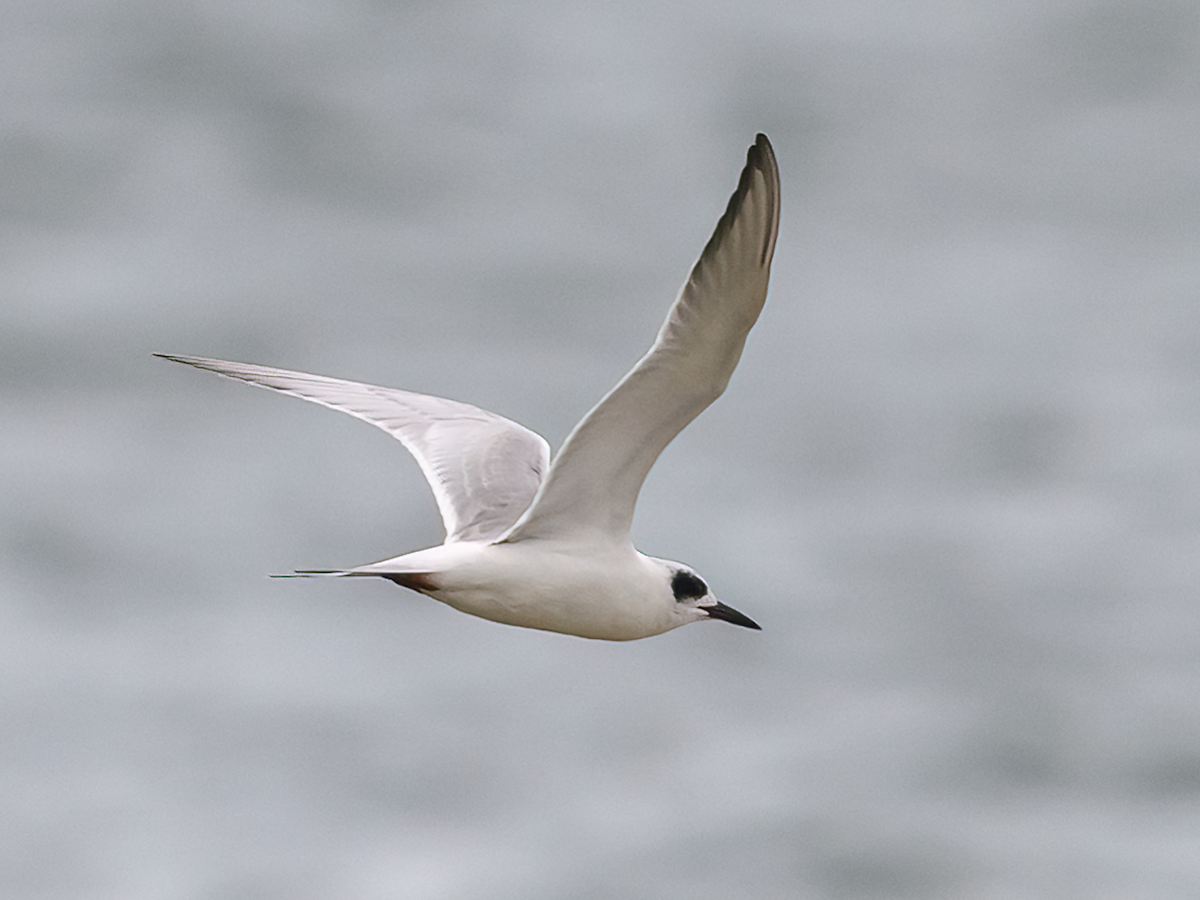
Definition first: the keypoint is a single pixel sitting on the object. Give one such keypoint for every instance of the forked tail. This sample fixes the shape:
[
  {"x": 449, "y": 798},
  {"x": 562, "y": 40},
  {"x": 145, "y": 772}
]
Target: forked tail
[
  {"x": 315, "y": 573},
  {"x": 421, "y": 582}
]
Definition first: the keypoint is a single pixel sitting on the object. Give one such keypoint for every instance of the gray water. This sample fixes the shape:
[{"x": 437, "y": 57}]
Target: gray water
[{"x": 956, "y": 478}]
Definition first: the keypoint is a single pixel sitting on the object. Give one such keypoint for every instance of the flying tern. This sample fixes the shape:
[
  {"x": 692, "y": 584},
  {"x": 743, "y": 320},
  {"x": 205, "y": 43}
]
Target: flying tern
[{"x": 543, "y": 544}]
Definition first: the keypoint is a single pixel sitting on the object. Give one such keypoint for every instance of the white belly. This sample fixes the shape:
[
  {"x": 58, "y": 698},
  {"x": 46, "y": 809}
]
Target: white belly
[{"x": 615, "y": 594}]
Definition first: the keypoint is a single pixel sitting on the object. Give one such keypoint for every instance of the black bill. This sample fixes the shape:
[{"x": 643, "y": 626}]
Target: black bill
[{"x": 732, "y": 616}]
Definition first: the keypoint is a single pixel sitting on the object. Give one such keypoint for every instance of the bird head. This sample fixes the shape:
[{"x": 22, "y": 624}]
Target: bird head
[{"x": 694, "y": 602}]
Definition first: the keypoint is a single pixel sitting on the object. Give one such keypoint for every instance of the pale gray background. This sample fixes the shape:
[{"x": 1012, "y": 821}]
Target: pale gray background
[{"x": 957, "y": 477}]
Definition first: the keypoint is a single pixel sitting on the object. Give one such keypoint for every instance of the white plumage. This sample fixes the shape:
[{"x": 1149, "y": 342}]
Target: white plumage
[{"x": 546, "y": 545}]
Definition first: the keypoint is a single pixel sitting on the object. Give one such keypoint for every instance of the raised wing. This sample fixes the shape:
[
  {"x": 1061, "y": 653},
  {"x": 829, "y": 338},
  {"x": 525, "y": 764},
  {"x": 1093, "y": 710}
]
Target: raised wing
[
  {"x": 484, "y": 469},
  {"x": 593, "y": 484}
]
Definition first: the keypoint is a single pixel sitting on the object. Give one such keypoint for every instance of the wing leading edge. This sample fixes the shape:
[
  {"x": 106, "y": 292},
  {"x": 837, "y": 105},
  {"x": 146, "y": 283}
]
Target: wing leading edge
[{"x": 483, "y": 468}]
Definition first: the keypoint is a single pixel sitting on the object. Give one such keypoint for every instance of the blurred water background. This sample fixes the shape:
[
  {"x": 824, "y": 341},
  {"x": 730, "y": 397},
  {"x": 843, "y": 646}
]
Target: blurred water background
[{"x": 956, "y": 478}]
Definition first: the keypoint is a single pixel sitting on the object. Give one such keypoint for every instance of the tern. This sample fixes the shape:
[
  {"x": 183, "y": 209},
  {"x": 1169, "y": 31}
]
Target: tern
[{"x": 547, "y": 545}]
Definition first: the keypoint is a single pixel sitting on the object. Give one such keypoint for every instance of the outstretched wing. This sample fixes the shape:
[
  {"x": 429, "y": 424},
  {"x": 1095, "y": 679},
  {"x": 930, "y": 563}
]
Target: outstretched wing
[
  {"x": 484, "y": 469},
  {"x": 594, "y": 481}
]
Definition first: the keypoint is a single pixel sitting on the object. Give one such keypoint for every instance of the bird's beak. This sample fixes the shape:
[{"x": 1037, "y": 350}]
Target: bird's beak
[{"x": 728, "y": 614}]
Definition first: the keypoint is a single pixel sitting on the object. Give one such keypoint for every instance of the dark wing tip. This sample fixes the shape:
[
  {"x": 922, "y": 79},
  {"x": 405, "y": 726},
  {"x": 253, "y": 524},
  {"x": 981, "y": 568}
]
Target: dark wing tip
[
  {"x": 761, "y": 158},
  {"x": 186, "y": 360},
  {"x": 760, "y": 162},
  {"x": 761, "y": 154}
]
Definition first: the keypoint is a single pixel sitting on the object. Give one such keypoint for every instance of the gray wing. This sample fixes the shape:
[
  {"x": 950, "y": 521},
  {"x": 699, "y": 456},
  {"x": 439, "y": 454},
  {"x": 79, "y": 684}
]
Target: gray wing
[
  {"x": 484, "y": 469},
  {"x": 592, "y": 486}
]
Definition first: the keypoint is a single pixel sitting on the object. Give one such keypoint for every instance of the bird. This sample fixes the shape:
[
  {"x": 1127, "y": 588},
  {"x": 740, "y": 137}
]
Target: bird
[{"x": 546, "y": 544}]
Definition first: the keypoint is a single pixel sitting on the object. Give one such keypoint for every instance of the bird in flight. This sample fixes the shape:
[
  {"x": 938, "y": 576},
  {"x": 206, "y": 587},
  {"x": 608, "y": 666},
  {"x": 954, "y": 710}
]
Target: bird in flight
[{"x": 543, "y": 544}]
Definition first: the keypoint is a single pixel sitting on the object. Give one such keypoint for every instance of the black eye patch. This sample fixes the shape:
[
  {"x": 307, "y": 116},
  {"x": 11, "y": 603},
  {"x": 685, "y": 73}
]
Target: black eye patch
[{"x": 686, "y": 586}]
